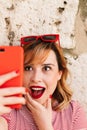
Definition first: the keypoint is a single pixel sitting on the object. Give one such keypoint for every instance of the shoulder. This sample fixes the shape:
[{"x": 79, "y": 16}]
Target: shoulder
[
  {"x": 79, "y": 119},
  {"x": 72, "y": 117},
  {"x": 76, "y": 108},
  {"x": 75, "y": 105}
]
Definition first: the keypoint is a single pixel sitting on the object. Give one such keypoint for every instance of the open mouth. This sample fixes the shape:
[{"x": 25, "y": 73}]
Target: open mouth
[{"x": 36, "y": 91}]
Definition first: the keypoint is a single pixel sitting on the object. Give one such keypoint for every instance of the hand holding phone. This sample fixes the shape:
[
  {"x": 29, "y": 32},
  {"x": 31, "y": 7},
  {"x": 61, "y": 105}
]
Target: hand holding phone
[
  {"x": 7, "y": 95},
  {"x": 12, "y": 60}
]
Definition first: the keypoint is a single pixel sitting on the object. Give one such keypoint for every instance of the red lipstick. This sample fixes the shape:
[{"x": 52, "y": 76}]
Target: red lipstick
[{"x": 36, "y": 91}]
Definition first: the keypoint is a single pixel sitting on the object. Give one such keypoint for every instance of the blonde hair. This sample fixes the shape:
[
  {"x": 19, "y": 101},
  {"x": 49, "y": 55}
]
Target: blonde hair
[{"x": 37, "y": 52}]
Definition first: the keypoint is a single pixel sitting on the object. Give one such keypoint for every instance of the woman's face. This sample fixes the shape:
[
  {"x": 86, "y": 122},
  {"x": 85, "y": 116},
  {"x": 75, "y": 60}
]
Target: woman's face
[{"x": 41, "y": 79}]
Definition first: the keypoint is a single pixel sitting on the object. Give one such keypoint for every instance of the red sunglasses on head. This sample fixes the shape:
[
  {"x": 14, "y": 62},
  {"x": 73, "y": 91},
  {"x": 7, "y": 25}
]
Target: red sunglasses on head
[{"x": 45, "y": 38}]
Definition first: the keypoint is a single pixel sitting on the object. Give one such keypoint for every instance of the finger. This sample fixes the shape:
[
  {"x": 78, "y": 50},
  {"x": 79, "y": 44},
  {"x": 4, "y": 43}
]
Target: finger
[
  {"x": 32, "y": 103},
  {"x": 29, "y": 105},
  {"x": 48, "y": 105},
  {"x": 12, "y": 91},
  {"x": 29, "y": 100},
  {"x": 8, "y": 76},
  {"x": 12, "y": 100}
]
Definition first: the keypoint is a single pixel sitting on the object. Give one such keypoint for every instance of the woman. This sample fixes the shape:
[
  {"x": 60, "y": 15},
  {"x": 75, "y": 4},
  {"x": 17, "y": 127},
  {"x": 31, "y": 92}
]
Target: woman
[{"x": 47, "y": 104}]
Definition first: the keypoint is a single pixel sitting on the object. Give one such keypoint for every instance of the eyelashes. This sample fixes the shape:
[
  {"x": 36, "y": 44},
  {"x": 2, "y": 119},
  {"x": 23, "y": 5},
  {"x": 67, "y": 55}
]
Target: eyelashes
[
  {"x": 28, "y": 68},
  {"x": 44, "y": 68},
  {"x": 47, "y": 68}
]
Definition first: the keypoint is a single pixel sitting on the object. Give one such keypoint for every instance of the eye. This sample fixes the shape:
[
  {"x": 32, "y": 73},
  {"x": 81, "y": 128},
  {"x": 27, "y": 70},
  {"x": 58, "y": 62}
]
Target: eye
[
  {"x": 28, "y": 68},
  {"x": 47, "y": 68}
]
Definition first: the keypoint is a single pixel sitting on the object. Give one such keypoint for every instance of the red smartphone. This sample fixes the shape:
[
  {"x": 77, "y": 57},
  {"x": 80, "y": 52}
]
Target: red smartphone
[{"x": 11, "y": 59}]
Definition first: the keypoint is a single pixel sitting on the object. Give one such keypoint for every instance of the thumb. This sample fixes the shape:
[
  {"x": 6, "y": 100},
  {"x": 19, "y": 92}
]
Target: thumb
[
  {"x": 48, "y": 104},
  {"x": 49, "y": 108}
]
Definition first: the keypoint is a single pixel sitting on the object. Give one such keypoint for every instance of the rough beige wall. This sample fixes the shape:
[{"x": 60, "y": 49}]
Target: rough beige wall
[
  {"x": 66, "y": 17},
  {"x": 77, "y": 57},
  {"x": 27, "y": 17}
]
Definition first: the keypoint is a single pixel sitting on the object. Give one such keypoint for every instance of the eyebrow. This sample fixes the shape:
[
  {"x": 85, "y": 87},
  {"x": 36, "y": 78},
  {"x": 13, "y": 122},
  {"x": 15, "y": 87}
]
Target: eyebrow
[
  {"x": 48, "y": 64},
  {"x": 44, "y": 64}
]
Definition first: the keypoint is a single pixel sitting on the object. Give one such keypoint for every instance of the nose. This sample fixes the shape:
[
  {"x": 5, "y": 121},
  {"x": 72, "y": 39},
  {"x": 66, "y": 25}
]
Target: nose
[{"x": 36, "y": 76}]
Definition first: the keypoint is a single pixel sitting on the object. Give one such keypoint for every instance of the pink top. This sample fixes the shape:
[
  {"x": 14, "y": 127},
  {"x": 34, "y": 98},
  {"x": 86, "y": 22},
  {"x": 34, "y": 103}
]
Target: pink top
[{"x": 71, "y": 118}]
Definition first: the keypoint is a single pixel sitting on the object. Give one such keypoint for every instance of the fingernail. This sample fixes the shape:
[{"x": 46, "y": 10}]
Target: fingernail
[
  {"x": 26, "y": 90},
  {"x": 50, "y": 96},
  {"x": 17, "y": 71}
]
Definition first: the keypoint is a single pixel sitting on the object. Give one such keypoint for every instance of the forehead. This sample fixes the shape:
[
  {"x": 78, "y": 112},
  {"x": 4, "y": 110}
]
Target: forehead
[
  {"x": 51, "y": 58},
  {"x": 40, "y": 57}
]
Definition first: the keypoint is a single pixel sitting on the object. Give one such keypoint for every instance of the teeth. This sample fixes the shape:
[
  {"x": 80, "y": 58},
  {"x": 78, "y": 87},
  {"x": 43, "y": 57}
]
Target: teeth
[{"x": 37, "y": 88}]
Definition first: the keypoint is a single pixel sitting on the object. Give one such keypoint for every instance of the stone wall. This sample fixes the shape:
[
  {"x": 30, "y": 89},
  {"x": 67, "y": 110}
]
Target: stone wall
[{"x": 66, "y": 17}]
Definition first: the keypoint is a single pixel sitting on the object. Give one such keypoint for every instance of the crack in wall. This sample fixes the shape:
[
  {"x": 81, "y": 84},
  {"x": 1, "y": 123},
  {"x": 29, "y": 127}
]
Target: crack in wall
[{"x": 10, "y": 33}]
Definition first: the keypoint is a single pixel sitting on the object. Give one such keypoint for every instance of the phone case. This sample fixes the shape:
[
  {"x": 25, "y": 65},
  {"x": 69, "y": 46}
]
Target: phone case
[{"x": 11, "y": 59}]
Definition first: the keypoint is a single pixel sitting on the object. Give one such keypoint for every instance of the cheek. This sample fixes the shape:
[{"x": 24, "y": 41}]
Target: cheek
[
  {"x": 52, "y": 83},
  {"x": 54, "y": 78},
  {"x": 25, "y": 80}
]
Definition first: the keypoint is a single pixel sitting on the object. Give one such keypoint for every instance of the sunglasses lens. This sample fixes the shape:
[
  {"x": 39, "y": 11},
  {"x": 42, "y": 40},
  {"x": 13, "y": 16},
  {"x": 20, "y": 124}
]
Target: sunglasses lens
[
  {"x": 45, "y": 38},
  {"x": 29, "y": 39},
  {"x": 49, "y": 37}
]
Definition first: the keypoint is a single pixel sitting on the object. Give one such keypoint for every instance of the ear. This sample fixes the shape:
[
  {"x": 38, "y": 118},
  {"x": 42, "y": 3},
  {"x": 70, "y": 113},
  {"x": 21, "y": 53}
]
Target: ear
[{"x": 59, "y": 74}]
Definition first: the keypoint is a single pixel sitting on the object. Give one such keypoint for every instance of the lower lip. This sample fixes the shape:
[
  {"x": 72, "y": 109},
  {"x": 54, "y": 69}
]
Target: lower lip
[{"x": 36, "y": 96}]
